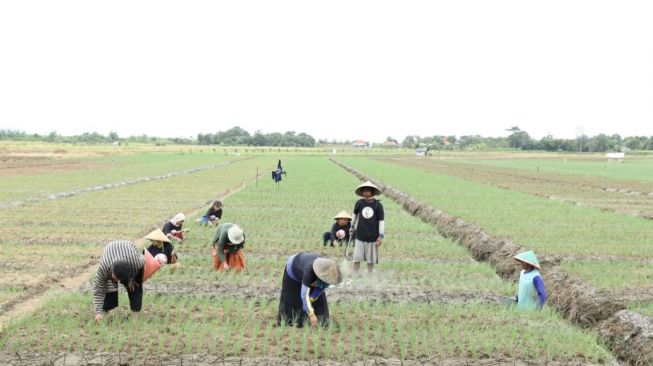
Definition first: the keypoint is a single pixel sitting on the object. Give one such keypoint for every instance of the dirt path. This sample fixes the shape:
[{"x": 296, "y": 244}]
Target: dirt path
[
  {"x": 115, "y": 359},
  {"x": 41, "y": 295}
]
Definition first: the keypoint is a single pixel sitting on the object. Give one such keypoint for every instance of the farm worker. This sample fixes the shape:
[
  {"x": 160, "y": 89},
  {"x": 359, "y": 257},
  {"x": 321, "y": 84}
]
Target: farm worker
[
  {"x": 531, "y": 293},
  {"x": 161, "y": 245},
  {"x": 367, "y": 226},
  {"x": 339, "y": 230},
  {"x": 213, "y": 215},
  {"x": 121, "y": 262},
  {"x": 228, "y": 243},
  {"x": 173, "y": 229},
  {"x": 305, "y": 278}
]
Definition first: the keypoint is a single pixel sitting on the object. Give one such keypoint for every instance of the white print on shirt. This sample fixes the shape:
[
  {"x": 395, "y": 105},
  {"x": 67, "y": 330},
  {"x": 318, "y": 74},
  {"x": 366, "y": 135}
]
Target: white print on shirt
[{"x": 368, "y": 212}]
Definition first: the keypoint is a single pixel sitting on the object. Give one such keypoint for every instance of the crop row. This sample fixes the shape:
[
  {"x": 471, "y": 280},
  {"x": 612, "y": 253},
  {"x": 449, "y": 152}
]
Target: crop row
[{"x": 229, "y": 327}]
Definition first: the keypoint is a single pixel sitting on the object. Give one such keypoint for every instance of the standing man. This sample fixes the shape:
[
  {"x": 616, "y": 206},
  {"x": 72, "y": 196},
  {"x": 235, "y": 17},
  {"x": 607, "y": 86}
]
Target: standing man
[
  {"x": 367, "y": 226},
  {"x": 121, "y": 262}
]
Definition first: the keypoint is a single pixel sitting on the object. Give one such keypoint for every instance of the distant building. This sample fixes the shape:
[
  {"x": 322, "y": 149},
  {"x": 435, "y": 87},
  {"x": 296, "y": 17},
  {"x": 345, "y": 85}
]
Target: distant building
[
  {"x": 421, "y": 151},
  {"x": 616, "y": 156},
  {"x": 391, "y": 143},
  {"x": 360, "y": 144}
]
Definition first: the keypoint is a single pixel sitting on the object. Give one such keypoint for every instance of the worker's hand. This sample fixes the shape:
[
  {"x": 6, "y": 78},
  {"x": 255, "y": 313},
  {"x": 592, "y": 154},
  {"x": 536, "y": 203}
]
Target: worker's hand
[
  {"x": 225, "y": 266},
  {"x": 98, "y": 318},
  {"x": 352, "y": 232},
  {"x": 313, "y": 319},
  {"x": 214, "y": 252},
  {"x": 378, "y": 241}
]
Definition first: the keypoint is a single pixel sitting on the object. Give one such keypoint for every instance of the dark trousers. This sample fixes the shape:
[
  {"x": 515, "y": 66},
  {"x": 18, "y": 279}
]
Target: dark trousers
[
  {"x": 135, "y": 297},
  {"x": 291, "y": 308}
]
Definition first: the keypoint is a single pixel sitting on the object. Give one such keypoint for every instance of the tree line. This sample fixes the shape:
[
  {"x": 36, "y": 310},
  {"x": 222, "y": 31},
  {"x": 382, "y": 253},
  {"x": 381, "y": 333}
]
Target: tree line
[
  {"x": 517, "y": 139},
  {"x": 238, "y": 136},
  {"x": 521, "y": 140}
]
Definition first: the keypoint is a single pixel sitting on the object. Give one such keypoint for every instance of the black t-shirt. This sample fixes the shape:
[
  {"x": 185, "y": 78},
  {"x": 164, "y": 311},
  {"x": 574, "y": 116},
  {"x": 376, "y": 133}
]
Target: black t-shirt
[
  {"x": 302, "y": 268},
  {"x": 168, "y": 227},
  {"x": 211, "y": 212},
  {"x": 369, "y": 215},
  {"x": 166, "y": 249}
]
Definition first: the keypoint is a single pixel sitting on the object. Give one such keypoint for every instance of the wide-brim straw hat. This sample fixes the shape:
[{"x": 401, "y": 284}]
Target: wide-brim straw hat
[
  {"x": 342, "y": 215},
  {"x": 327, "y": 270},
  {"x": 375, "y": 190},
  {"x": 157, "y": 235},
  {"x": 235, "y": 235},
  {"x": 528, "y": 257}
]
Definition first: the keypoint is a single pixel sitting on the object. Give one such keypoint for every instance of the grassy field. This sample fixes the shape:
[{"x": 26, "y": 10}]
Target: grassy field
[{"x": 427, "y": 300}]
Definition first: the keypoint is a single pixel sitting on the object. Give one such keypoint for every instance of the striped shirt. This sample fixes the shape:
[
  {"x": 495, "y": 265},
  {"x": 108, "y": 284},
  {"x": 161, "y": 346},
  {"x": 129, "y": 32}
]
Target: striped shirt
[{"x": 114, "y": 251}]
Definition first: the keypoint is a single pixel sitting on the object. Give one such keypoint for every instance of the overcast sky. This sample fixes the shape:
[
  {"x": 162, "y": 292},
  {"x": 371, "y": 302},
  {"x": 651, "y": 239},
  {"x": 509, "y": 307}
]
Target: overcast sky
[{"x": 334, "y": 69}]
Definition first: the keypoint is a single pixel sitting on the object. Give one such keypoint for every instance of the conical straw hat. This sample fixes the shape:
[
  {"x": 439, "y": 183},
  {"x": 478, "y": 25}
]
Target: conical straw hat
[
  {"x": 327, "y": 270},
  {"x": 375, "y": 190},
  {"x": 151, "y": 266},
  {"x": 342, "y": 215},
  {"x": 157, "y": 235},
  {"x": 528, "y": 257}
]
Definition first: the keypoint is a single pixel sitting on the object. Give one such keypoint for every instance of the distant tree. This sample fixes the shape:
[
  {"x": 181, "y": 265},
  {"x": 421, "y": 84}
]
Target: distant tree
[
  {"x": 409, "y": 142},
  {"x": 519, "y": 139}
]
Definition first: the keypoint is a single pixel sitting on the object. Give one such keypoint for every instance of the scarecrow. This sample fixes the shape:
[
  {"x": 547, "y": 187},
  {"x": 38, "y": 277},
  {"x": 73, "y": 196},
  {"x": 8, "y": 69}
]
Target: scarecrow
[
  {"x": 305, "y": 278},
  {"x": 228, "y": 243},
  {"x": 531, "y": 293}
]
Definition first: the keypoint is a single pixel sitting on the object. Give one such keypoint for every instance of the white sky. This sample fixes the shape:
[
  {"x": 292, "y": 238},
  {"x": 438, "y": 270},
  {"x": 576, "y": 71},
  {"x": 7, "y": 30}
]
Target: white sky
[{"x": 333, "y": 69}]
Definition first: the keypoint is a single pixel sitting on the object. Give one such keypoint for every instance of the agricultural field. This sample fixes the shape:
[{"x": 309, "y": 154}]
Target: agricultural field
[
  {"x": 632, "y": 197},
  {"x": 611, "y": 251},
  {"x": 428, "y": 301},
  {"x": 45, "y": 243}
]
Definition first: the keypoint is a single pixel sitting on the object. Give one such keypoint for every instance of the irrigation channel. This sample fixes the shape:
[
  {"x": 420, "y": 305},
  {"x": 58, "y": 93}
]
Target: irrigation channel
[{"x": 629, "y": 335}]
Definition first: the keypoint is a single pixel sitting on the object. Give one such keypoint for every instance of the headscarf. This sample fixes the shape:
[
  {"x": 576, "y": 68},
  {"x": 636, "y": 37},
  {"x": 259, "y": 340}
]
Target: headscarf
[{"x": 178, "y": 217}]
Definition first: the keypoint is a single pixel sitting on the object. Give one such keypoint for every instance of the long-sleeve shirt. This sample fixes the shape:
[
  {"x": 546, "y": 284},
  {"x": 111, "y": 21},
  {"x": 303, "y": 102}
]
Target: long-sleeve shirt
[
  {"x": 337, "y": 227},
  {"x": 221, "y": 238},
  {"x": 169, "y": 226},
  {"x": 531, "y": 293},
  {"x": 300, "y": 268},
  {"x": 211, "y": 212},
  {"x": 114, "y": 251},
  {"x": 166, "y": 249}
]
